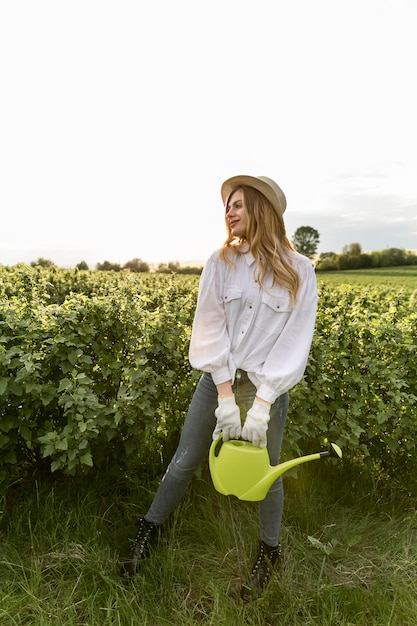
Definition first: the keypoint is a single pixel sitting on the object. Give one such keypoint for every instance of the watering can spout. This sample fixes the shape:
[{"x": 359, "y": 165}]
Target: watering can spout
[{"x": 241, "y": 469}]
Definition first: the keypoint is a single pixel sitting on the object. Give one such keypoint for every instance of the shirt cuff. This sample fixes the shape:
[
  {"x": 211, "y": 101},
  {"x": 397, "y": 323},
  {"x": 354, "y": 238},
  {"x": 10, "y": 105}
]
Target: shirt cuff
[
  {"x": 267, "y": 393},
  {"x": 221, "y": 375}
]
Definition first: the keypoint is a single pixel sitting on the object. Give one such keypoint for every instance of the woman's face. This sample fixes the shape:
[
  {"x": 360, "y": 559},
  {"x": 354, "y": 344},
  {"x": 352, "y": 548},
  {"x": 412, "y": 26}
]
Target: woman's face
[{"x": 236, "y": 215}]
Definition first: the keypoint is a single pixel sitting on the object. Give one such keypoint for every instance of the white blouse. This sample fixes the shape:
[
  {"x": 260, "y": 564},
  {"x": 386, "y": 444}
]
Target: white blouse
[{"x": 239, "y": 325}]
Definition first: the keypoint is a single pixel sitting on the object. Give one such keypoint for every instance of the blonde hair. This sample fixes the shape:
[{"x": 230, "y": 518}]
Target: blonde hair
[{"x": 267, "y": 240}]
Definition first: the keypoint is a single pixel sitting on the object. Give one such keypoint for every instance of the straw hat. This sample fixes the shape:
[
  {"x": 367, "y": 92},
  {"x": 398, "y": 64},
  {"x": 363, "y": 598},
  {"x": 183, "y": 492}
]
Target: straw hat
[{"x": 265, "y": 185}]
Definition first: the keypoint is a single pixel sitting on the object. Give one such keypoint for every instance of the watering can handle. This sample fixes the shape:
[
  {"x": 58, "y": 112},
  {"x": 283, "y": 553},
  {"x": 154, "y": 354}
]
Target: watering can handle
[{"x": 213, "y": 447}]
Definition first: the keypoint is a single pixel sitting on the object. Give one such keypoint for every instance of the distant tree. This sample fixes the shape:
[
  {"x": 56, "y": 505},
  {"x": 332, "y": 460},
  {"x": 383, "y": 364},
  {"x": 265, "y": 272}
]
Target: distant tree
[
  {"x": 352, "y": 258},
  {"x": 136, "y": 265},
  {"x": 410, "y": 257},
  {"x": 327, "y": 255},
  {"x": 190, "y": 269},
  {"x": 173, "y": 266},
  {"x": 327, "y": 262},
  {"x": 391, "y": 257},
  {"x": 82, "y": 265},
  {"x": 170, "y": 268},
  {"x": 353, "y": 249},
  {"x": 305, "y": 240},
  {"x": 42, "y": 262},
  {"x": 107, "y": 266}
]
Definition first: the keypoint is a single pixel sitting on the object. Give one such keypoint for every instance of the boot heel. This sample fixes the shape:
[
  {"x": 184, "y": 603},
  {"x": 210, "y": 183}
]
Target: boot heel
[
  {"x": 267, "y": 560},
  {"x": 146, "y": 533}
]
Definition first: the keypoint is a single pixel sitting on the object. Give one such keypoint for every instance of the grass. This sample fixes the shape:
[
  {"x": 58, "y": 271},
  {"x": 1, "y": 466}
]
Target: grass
[
  {"x": 350, "y": 547},
  {"x": 350, "y": 555},
  {"x": 401, "y": 276}
]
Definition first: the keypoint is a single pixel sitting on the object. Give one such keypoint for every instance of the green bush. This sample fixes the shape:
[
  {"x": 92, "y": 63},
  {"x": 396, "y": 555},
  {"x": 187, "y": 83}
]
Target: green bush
[
  {"x": 93, "y": 379},
  {"x": 94, "y": 371},
  {"x": 360, "y": 387}
]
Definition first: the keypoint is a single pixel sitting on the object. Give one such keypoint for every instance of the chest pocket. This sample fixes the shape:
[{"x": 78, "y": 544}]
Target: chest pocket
[
  {"x": 273, "y": 313},
  {"x": 231, "y": 293},
  {"x": 232, "y": 301}
]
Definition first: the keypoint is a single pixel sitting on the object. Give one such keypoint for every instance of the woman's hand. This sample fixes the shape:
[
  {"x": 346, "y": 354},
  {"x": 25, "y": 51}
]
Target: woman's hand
[
  {"x": 228, "y": 419},
  {"x": 256, "y": 423}
]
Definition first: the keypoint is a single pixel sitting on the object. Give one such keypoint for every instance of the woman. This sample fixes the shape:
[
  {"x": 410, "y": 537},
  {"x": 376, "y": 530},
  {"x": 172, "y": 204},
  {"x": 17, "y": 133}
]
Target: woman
[{"x": 251, "y": 338}]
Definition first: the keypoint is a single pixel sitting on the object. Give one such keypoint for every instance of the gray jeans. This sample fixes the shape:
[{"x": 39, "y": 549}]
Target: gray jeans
[{"x": 194, "y": 445}]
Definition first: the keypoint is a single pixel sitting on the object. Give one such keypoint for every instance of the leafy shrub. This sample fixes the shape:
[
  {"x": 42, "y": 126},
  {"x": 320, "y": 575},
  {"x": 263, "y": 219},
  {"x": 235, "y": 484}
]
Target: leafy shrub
[
  {"x": 360, "y": 386},
  {"x": 94, "y": 371},
  {"x": 91, "y": 380}
]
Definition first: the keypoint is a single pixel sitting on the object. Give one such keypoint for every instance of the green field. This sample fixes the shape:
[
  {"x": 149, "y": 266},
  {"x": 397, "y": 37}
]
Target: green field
[
  {"x": 404, "y": 276},
  {"x": 349, "y": 529}
]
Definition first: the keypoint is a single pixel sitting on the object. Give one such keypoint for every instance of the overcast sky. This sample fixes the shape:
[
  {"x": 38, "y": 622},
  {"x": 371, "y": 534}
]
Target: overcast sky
[{"x": 120, "y": 120}]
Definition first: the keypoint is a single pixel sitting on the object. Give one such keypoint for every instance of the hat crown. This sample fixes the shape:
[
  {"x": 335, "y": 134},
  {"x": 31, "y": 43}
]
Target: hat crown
[{"x": 266, "y": 186}]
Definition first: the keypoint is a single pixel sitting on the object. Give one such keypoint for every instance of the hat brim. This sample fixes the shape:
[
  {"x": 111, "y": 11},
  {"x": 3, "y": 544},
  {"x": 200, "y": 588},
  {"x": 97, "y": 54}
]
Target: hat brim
[{"x": 264, "y": 185}]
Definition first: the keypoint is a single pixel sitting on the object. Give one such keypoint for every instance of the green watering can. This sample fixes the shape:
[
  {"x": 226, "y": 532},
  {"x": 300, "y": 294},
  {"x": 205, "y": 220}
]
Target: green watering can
[{"x": 241, "y": 469}]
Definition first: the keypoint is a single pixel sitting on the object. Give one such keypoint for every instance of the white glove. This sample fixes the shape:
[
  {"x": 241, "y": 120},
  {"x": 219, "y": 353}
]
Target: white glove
[
  {"x": 256, "y": 424},
  {"x": 228, "y": 419}
]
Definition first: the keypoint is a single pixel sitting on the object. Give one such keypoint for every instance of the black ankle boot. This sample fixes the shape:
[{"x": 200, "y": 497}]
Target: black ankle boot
[
  {"x": 262, "y": 569},
  {"x": 140, "y": 548}
]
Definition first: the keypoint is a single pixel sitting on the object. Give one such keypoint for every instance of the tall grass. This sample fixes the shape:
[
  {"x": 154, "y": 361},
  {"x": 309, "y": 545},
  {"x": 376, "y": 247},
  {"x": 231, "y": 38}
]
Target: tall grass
[{"x": 350, "y": 555}]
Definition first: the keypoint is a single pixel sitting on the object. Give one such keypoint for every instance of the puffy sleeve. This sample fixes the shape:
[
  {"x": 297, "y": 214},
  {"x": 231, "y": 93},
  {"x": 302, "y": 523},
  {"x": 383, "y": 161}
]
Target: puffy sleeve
[
  {"x": 210, "y": 343},
  {"x": 285, "y": 364}
]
